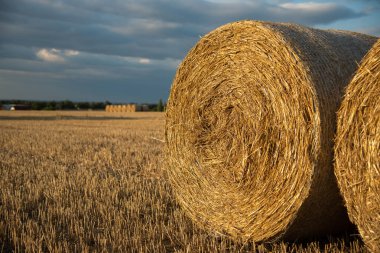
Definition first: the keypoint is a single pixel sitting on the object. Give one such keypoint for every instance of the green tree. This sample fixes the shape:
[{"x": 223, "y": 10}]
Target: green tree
[
  {"x": 38, "y": 105},
  {"x": 160, "y": 106},
  {"x": 68, "y": 105},
  {"x": 83, "y": 105},
  {"x": 51, "y": 105}
]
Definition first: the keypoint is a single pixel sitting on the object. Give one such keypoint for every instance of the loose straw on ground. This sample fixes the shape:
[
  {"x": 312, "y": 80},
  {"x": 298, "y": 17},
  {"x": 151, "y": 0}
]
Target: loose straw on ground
[
  {"x": 357, "y": 149},
  {"x": 249, "y": 129}
]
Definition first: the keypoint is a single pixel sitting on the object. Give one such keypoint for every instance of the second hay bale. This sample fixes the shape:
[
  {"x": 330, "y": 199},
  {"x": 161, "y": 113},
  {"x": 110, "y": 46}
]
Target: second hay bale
[
  {"x": 357, "y": 149},
  {"x": 250, "y": 123}
]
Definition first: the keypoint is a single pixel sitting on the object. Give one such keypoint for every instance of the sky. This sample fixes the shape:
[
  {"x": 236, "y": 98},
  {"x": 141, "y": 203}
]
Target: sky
[{"x": 128, "y": 50}]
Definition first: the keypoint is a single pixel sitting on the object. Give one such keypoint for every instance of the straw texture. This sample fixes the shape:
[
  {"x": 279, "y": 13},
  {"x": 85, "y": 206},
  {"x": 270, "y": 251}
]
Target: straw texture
[
  {"x": 124, "y": 108},
  {"x": 249, "y": 129},
  {"x": 357, "y": 149}
]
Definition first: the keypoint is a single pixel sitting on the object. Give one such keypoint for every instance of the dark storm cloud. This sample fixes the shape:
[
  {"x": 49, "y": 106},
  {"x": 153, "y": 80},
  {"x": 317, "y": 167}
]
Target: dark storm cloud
[
  {"x": 121, "y": 49},
  {"x": 154, "y": 28}
]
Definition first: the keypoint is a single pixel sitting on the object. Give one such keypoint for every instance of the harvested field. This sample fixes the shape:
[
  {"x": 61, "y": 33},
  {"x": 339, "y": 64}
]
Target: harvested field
[{"x": 87, "y": 182}]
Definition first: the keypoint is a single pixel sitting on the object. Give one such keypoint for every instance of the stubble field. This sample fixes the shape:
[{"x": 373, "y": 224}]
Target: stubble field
[{"x": 96, "y": 182}]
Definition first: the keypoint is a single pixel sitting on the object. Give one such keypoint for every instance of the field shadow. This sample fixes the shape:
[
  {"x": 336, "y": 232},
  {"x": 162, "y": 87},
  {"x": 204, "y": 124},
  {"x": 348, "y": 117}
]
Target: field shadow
[{"x": 51, "y": 118}]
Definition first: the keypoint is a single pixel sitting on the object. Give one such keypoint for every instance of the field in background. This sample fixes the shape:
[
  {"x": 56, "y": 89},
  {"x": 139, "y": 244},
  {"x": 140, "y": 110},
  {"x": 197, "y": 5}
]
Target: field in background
[{"x": 94, "y": 181}]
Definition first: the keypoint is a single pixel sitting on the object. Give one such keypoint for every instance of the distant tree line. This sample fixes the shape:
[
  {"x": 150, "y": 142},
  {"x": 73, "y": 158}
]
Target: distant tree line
[
  {"x": 70, "y": 105},
  {"x": 58, "y": 105}
]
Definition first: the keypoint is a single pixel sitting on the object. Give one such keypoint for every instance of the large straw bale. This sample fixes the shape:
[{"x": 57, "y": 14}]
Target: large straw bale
[
  {"x": 250, "y": 127},
  {"x": 357, "y": 149}
]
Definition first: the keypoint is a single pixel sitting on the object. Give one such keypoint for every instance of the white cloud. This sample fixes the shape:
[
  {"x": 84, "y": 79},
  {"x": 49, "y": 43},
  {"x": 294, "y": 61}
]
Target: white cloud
[
  {"x": 55, "y": 55},
  {"x": 166, "y": 63},
  {"x": 51, "y": 55},
  {"x": 309, "y": 6},
  {"x": 136, "y": 60},
  {"x": 71, "y": 52},
  {"x": 144, "y": 61}
]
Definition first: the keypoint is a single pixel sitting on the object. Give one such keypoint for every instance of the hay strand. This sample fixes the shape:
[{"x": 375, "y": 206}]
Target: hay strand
[
  {"x": 357, "y": 149},
  {"x": 249, "y": 128}
]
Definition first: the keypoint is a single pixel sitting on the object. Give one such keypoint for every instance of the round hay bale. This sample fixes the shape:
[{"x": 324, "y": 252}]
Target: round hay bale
[
  {"x": 249, "y": 127},
  {"x": 357, "y": 149}
]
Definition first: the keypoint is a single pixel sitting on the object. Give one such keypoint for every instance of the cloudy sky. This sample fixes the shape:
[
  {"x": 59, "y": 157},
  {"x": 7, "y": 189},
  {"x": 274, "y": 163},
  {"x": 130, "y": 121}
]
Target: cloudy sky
[{"x": 128, "y": 50}]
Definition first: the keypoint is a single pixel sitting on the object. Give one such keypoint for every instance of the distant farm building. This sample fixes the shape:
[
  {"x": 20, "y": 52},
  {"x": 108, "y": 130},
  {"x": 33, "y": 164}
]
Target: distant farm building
[
  {"x": 127, "y": 108},
  {"x": 16, "y": 107}
]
